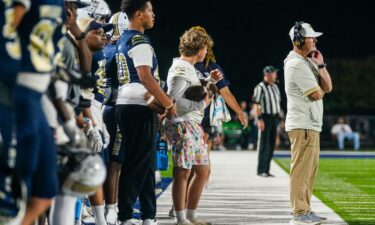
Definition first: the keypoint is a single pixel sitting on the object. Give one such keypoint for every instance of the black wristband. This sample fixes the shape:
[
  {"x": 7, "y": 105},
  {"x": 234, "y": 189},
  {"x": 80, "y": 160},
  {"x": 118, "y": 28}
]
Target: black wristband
[
  {"x": 82, "y": 35},
  {"x": 321, "y": 66}
]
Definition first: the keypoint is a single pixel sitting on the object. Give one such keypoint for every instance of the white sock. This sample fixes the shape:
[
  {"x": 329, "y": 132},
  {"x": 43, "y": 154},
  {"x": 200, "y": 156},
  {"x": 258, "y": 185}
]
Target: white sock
[
  {"x": 110, "y": 206},
  {"x": 111, "y": 213},
  {"x": 191, "y": 214},
  {"x": 148, "y": 222},
  {"x": 98, "y": 212},
  {"x": 63, "y": 210},
  {"x": 181, "y": 216}
]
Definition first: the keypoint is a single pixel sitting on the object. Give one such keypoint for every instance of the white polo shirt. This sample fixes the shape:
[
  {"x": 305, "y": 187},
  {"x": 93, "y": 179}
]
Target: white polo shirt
[{"x": 300, "y": 82}]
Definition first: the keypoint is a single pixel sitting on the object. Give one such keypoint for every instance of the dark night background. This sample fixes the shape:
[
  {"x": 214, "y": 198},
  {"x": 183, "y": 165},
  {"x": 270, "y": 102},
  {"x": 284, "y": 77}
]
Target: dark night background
[{"x": 251, "y": 34}]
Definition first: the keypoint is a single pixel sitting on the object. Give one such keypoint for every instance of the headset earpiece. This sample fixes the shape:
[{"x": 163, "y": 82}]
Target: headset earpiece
[{"x": 299, "y": 33}]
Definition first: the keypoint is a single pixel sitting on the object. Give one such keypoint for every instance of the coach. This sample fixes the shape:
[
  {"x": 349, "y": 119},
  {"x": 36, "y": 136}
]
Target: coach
[{"x": 306, "y": 82}]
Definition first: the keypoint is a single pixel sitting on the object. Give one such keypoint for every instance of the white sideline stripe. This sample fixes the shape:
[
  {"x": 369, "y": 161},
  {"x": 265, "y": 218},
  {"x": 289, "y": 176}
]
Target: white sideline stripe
[{"x": 237, "y": 196}]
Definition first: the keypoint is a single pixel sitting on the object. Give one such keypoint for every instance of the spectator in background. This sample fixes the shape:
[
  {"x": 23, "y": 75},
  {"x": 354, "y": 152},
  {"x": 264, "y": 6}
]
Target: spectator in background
[
  {"x": 245, "y": 108},
  {"x": 343, "y": 131},
  {"x": 219, "y": 140},
  {"x": 245, "y": 139},
  {"x": 253, "y": 122},
  {"x": 282, "y": 139}
]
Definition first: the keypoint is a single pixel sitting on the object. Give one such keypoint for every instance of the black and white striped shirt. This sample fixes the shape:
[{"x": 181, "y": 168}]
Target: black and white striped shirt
[{"x": 268, "y": 97}]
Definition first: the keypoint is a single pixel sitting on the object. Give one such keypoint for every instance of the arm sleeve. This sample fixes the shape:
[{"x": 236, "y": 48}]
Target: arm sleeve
[
  {"x": 142, "y": 55},
  {"x": 183, "y": 105},
  {"x": 304, "y": 79}
]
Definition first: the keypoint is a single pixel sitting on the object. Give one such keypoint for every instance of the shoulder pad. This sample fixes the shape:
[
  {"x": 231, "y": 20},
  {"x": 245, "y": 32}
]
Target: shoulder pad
[{"x": 139, "y": 39}]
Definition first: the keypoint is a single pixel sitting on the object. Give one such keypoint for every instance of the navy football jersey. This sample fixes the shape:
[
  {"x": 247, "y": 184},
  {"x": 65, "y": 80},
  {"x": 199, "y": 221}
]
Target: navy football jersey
[
  {"x": 36, "y": 32},
  {"x": 127, "y": 72},
  {"x": 109, "y": 52},
  {"x": 98, "y": 70},
  {"x": 10, "y": 51},
  {"x": 111, "y": 83},
  {"x": 204, "y": 72}
]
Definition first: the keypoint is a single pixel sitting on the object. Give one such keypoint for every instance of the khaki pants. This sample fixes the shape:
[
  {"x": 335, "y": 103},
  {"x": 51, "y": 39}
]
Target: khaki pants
[{"x": 305, "y": 146}]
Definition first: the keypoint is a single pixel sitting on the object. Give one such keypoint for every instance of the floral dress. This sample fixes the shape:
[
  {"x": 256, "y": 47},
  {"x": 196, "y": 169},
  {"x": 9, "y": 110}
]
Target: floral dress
[
  {"x": 185, "y": 133},
  {"x": 188, "y": 145}
]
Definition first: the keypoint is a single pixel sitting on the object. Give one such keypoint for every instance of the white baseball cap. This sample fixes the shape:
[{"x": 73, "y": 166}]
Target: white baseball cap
[{"x": 308, "y": 31}]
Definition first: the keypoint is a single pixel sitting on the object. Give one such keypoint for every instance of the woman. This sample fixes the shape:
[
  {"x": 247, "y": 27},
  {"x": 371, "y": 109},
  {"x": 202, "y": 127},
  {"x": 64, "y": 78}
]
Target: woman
[
  {"x": 185, "y": 133},
  {"x": 209, "y": 64}
]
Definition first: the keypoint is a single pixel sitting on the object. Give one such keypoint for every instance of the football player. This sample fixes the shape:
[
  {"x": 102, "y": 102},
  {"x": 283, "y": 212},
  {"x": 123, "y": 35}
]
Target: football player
[
  {"x": 73, "y": 62},
  {"x": 36, "y": 153},
  {"x": 11, "y": 14},
  {"x": 138, "y": 72},
  {"x": 120, "y": 24},
  {"x": 96, "y": 39},
  {"x": 100, "y": 12}
]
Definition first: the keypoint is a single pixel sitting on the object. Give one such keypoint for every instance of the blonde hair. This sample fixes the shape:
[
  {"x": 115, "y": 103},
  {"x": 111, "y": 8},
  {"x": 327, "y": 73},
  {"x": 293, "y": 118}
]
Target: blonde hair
[
  {"x": 192, "y": 41},
  {"x": 210, "y": 57}
]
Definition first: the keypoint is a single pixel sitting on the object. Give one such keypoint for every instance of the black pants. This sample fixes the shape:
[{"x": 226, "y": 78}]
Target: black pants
[
  {"x": 266, "y": 144},
  {"x": 137, "y": 125}
]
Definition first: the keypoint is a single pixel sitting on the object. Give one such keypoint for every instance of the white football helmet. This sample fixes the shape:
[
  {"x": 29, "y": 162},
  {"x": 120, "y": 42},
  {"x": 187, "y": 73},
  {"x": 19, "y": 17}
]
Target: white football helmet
[
  {"x": 81, "y": 172},
  {"x": 120, "y": 23},
  {"x": 97, "y": 9}
]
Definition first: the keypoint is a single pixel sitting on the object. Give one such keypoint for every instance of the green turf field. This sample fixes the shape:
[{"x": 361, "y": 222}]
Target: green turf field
[{"x": 347, "y": 186}]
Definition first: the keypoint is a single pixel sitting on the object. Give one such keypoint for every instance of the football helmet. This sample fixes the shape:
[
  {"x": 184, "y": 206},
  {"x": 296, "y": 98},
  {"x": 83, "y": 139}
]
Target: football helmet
[{"x": 81, "y": 172}]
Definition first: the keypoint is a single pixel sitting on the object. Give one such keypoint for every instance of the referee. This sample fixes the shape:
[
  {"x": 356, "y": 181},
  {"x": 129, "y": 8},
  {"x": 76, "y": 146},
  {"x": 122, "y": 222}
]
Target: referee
[{"x": 266, "y": 100}]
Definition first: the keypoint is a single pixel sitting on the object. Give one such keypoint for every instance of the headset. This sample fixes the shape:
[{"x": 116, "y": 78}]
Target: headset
[{"x": 299, "y": 34}]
